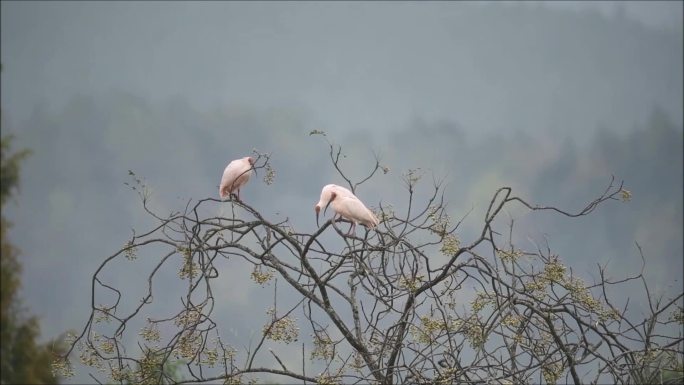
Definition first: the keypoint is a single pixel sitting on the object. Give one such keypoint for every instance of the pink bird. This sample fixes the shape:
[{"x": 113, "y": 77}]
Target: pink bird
[
  {"x": 326, "y": 196},
  {"x": 351, "y": 208},
  {"x": 235, "y": 176}
]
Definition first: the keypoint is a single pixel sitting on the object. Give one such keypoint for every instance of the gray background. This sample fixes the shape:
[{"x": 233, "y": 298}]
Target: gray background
[{"x": 549, "y": 98}]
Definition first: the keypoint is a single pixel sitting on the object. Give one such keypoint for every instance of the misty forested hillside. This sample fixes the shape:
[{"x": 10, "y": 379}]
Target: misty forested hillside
[{"x": 549, "y": 102}]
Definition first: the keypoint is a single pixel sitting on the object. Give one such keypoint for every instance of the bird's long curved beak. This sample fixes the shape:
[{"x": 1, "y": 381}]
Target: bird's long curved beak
[{"x": 317, "y": 224}]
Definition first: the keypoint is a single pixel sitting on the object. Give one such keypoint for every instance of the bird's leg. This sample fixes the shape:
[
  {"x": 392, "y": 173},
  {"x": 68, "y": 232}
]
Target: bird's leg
[
  {"x": 351, "y": 228},
  {"x": 332, "y": 222}
]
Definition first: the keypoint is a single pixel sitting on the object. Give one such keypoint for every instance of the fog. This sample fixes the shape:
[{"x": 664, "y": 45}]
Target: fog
[{"x": 548, "y": 98}]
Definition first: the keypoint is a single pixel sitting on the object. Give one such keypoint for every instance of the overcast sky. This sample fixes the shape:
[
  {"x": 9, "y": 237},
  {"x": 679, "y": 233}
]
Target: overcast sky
[{"x": 410, "y": 59}]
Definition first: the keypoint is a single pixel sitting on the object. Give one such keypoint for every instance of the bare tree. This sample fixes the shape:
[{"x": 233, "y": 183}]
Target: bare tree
[{"x": 393, "y": 305}]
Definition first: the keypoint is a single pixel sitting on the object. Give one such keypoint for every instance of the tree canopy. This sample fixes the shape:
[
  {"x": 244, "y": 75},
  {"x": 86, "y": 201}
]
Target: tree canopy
[
  {"x": 24, "y": 360},
  {"x": 411, "y": 301}
]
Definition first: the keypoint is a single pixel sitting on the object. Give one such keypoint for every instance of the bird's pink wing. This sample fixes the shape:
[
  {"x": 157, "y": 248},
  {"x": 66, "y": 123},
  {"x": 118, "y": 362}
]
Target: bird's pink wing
[
  {"x": 231, "y": 173},
  {"x": 352, "y": 208},
  {"x": 372, "y": 218}
]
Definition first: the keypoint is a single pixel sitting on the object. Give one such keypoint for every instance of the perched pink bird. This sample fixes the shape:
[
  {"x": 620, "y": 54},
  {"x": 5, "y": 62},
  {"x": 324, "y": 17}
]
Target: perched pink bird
[
  {"x": 235, "y": 176},
  {"x": 326, "y": 196},
  {"x": 351, "y": 208}
]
